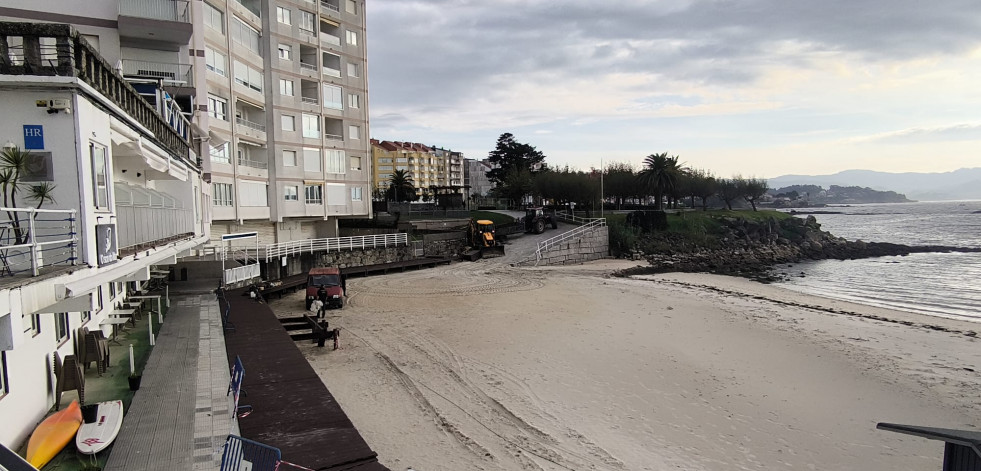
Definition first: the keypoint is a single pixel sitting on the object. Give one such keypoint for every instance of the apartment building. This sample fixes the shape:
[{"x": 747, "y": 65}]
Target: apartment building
[
  {"x": 429, "y": 167},
  {"x": 125, "y": 193},
  {"x": 273, "y": 95}
]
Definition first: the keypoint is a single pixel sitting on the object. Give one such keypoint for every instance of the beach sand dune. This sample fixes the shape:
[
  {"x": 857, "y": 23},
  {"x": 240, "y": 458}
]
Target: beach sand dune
[{"x": 483, "y": 366}]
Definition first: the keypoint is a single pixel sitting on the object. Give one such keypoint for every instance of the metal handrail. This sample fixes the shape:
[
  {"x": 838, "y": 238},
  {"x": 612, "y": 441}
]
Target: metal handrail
[
  {"x": 250, "y": 124},
  {"x": 551, "y": 242},
  {"x": 253, "y": 163},
  {"x": 31, "y": 244},
  {"x": 310, "y": 100},
  {"x": 330, "y": 7},
  {"x": 171, "y": 10},
  {"x": 295, "y": 247}
]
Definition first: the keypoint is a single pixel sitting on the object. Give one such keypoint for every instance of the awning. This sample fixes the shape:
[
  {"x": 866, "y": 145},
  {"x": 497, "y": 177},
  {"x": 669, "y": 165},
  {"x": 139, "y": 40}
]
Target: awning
[{"x": 79, "y": 303}]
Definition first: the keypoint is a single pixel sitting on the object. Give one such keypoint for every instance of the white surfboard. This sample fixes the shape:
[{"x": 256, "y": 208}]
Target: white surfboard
[{"x": 95, "y": 436}]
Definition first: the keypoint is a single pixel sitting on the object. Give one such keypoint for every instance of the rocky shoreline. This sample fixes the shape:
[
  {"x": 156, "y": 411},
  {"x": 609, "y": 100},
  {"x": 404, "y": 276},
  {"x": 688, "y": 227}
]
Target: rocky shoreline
[{"x": 752, "y": 249}]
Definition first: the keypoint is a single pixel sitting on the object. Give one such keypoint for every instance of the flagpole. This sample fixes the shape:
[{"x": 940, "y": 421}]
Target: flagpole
[{"x": 602, "y": 171}]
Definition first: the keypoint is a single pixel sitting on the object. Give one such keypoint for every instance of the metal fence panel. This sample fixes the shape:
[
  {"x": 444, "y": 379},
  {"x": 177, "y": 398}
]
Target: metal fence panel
[{"x": 242, "y": 454}]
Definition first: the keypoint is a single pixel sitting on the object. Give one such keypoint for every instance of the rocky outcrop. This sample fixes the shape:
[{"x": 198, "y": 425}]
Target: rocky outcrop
[{"x": 751, "y": 248}]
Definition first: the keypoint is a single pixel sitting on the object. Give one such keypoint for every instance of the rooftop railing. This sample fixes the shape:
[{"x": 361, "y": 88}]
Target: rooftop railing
[
  {"x": 71, "y": 56},
  {"x": 33, "y": 238}
]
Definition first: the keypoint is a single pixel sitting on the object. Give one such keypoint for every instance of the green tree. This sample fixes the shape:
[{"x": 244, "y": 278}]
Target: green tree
[
  {"x": 511, "y": 160},
  {"x": 753, "y": 189},
  {"x": 620, "y": 183},
  {"x": 730, "y": 189},
  {"x": 659, "y": 176},
  {"x": 516, "y": 184},
  {"x": 703, "y": 186},
  {"x": 401, "y": 188}
]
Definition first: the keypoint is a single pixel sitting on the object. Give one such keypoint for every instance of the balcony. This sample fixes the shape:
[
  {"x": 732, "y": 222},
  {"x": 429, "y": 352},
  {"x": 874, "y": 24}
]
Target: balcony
[
  {"x": 34, "y": 238},
  {"x": 332, "y": 6},
  {"x": 332, "y": 64},
  {"x": 75, "y": 58},
  {"x": 246, "y": 162},
  {"x": 156, "y": 21},
  {"x": 305, "y": 67},
  {"x": 250, "y": 124},
  {"x": 146, "y": 217},
  {"x": 179, "y": 74}
]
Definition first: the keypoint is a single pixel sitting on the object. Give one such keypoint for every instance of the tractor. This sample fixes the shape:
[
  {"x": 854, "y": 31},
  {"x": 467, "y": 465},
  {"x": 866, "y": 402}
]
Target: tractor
[
  {"x": 480, "y": 238},
  {"x": 536, "y": 219}
]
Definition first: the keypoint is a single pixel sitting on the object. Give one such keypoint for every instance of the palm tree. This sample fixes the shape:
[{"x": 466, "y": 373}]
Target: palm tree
[
  {"x": 14, "y": 162},
  {"x": 401, "y": 186},
  {"x": 660, "y": 174}
]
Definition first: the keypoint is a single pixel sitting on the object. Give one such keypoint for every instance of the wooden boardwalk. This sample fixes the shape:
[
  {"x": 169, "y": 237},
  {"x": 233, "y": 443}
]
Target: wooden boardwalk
[{"x": 291, "y": 407}]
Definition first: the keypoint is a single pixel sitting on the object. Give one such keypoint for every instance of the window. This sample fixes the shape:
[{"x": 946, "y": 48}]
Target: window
[
  {"x": 335, "y": 161},
  {"x": 222, "y": 194},
  {"x": 215, "y": 61},
  {"x": 253, "y": 194},
  {"x": 289, "y": 122},
  {"x": 213, "y": 18},
  {"x": 283, "y": 15},
  {"x": 351, "y": 7},
  {"x": 220, "y": 154},
  {"x": 336, "y": 194},
  {"x": 356, "y": 193},
  {"x": 218, "y": 107},
  {"x": 384, "y": 160},
  {"x": 355, "y": 163},
  {"x": 248, "y": 76},
  {"x": 311, "y": 159},
  {"x": 307, "y": 22},
  {"x": 86, "y": 316},
  {"x": 384, "y": 167},
  {"x": 285, "y": 87},
  {"x": 311, "y": 126},
  {"x": 285, "y": 52},
  {"x": 289, "y": 158},
  {"x": 32, "y": 324},
  {"x": 353, "y": 70},
  {"x": 352, "y": 38},
  {"x": 61, "y": 326},
  {"x": 353, "y": 100},
  {"x": 354, "y": 132},
  {"x": 245, "y": 35},
  {"x": 100, "y": 176},
  {"x": 291, "y": 193},
  {"x": 314, "y": 194},
  {"x": 332, "y": 97}
]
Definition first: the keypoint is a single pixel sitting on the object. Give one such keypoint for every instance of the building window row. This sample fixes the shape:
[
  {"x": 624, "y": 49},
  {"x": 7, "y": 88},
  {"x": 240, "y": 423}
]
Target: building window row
[{"x": 245, "y": 35}]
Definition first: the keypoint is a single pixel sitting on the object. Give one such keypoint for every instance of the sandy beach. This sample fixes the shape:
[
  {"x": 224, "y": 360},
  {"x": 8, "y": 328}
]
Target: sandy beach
[{"x": 483, "y": 366}]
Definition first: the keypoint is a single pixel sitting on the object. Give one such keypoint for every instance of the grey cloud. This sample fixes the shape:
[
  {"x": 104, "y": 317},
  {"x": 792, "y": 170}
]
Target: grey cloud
[{"x": 956, "y": 132}]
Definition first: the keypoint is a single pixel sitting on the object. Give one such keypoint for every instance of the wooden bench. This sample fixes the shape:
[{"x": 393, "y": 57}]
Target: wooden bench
[{"x": 319, "y": 331}]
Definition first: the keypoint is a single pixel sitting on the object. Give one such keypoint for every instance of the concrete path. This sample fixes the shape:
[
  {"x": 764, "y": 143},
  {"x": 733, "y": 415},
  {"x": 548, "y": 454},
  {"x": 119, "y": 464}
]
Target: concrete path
[{"x": 180, "y": 417}]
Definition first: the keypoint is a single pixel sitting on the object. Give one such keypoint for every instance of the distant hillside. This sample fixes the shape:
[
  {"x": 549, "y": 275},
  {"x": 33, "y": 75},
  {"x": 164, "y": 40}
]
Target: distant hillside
[
  {"x": 837, "y": 195},
  {"x": 957, "y": 185}
]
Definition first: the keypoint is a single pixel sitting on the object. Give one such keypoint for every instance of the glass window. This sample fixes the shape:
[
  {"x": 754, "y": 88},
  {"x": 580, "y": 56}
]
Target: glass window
[
  {"x": 215, "y": 61},
  {"x": 32, "y": 324},
  {"x": 353, "y": 70},
  {"x": 335, "y": 161},
  {"x": 311, "y": 159},
  {"x": 291, "y": 193},
  {"x": 311, "y": 126},
  {"x": 355, "y": 163},
  {"x": 213, "y": 18},
  {"x": 289, "y": 122},
  {"x": 314, "y": 194},
  {"x": 222, "y": 194},
  {"x": 4, "y": 386},
  {"x": 248, "y": 76},
  {"x": 61, "y": 326},
  {"x": 307, "y": 21},
  {"x": 289, "y": 158},
  {"x": 332, "y": 97},
  {"x": 353, "y": 100},
  {"x": 254, "y": 194},
  {"x": 218, "y": 107},
  {"x": 354, "y": 132},
  {"x": 285, "y": 87},
  {"x": 100, "y": 176},
  {"x": 286, "y": 52},
  {"x": 245, "y": 35},
  {"x": 283, "y": 15},
  {"x": 352, "y": 7},
  {"x": 352, "y": 38},
  {"x": 356, "y": 193},
  {"x": 220, "y": 154}
]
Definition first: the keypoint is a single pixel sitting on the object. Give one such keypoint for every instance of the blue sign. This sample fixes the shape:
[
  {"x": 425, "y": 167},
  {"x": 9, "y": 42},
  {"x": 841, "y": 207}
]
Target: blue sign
[
  {"x": 33, "y": 136},
  {"x": 235, "y": 384}
]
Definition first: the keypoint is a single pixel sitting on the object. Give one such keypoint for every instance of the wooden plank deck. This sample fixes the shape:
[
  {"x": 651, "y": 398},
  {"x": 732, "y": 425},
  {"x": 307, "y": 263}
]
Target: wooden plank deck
[{"x": 292, "y": 408}]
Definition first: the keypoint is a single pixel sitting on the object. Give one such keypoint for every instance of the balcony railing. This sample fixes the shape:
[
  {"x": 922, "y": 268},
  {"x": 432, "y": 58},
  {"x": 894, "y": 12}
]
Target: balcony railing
[
  {"x": 73, "y": 57},
  {"x": 330, "y": 39},
  {"x": 169, "y": 10},
  {"x": 147, "y": 218},
  {"x": 275, "y": 251},
  {"x": 310, "y": 100},
  {"x": 335, "y": 137},
  {"x": 332, "y": 72},
  {"x": 308, "y": 67},
  {"x": 253, "y": 163},
  {"x": 168, "y": 71},
  {"x": 250, "y": 124},
  {"x": 33, "y": 238},
  {"x": 330, "y": 6}
]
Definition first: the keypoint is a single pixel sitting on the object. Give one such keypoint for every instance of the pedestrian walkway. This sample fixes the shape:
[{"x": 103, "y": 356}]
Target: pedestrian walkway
[{"x": 180, "y": 417}]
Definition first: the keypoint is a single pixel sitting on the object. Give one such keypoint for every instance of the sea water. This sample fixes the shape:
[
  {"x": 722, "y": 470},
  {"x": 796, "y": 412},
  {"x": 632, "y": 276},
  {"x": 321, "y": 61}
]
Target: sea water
[{"x": 940, "y": 284}]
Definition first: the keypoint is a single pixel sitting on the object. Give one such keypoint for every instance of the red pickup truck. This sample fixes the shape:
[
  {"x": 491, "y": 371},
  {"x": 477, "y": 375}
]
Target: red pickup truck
[{"x": 330, "y": 279}]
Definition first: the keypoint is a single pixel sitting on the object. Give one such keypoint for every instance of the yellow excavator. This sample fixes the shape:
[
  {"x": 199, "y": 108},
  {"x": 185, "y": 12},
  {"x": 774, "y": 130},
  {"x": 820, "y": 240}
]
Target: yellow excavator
[{"x": 481, "y": 240}]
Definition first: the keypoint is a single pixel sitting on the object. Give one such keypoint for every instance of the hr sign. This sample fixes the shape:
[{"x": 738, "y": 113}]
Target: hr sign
[
  {"x": 105, "y": 243},
  {"x": 33, "y": 136}
]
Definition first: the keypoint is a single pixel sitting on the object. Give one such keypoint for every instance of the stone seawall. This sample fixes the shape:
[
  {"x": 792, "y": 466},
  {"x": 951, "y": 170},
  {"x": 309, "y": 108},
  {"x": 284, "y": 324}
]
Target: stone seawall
[{"x": 592, "y": 245}]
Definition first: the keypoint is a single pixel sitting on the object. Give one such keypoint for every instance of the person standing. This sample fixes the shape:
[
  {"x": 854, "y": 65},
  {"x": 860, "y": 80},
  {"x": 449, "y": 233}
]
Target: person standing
[{"x": 322, "y": 296}]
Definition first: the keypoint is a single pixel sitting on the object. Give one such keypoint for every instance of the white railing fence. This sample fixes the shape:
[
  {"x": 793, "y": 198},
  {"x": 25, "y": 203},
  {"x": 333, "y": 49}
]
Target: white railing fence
[
  {"x": 334, "y": 244},
  {"x": 547, "y": 244},
  {"x": 247, "y": 272},
  {"x": 32, "y": 238}
]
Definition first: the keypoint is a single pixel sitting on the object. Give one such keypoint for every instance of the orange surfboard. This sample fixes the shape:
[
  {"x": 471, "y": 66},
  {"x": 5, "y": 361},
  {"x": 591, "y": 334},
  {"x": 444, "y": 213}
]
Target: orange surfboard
[{"x": 53, "y": 434}]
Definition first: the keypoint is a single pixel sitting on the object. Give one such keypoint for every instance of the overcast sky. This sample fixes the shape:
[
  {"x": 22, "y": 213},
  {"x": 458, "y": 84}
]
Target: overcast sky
[{"x": 752, "y": 87}]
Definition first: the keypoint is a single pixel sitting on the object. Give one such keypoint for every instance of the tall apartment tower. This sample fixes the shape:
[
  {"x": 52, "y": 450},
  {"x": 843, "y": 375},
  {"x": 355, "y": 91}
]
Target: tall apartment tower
[{"x": 274, "y": 93}]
